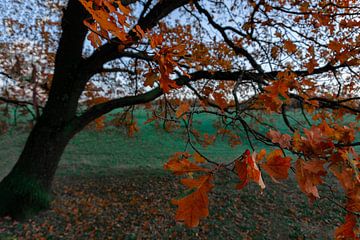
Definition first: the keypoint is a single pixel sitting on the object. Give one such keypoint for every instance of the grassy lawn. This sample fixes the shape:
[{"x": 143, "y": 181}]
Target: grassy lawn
[
  {"x": 92, "y": 150},
  {"x": 110, "y": 186}
]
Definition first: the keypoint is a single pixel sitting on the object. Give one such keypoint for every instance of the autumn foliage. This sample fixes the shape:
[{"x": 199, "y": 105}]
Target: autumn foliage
[{"x": 238, "y": 62}]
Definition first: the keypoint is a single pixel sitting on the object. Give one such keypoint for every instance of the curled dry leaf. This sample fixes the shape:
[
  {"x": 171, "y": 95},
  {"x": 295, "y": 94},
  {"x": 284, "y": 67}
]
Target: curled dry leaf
[
  {"x": 308, "y": 176},
  {"x": 247, "y": 169}
]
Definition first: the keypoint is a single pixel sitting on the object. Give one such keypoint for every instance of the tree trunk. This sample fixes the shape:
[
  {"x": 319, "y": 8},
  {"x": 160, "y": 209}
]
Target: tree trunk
[{"x": 26, "y": 189}]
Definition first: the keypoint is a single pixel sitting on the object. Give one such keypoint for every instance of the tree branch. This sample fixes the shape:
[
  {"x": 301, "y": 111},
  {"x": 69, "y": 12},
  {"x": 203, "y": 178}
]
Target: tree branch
[
  {"x": 7, "y": 75},
  {"x": 116, "y": 70},
  {"x": 304, "y": 73},
  {"x": 110, "y": 51},
  {"x": 17, "y": 102},
  {"x": 98, "y": 110},
  {"x": 237, "y": 49},
  {"x": 221, "y": 75},
  {"x": 128, "y": 2}
]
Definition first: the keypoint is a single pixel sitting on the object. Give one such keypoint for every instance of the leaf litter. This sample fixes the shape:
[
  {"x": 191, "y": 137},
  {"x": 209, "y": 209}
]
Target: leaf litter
[{"x": 137, "y": 205}]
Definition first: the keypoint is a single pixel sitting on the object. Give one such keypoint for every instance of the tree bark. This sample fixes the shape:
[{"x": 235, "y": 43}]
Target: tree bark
[{"x": 25, "y": 190}]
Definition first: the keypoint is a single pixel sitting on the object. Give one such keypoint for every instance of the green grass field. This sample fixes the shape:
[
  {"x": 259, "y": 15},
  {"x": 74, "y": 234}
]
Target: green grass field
[
  {"x": 122, "y": 179},
  {"x": 113, "y": 149}
]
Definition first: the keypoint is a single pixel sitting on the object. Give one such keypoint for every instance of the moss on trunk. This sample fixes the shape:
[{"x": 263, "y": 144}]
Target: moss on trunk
[{"x": 21, "y": 196}]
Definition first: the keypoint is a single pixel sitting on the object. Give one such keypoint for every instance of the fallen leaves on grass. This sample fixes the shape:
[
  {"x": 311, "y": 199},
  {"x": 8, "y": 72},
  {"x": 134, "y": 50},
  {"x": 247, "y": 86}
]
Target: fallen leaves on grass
[{"x": 129, "y": 207}]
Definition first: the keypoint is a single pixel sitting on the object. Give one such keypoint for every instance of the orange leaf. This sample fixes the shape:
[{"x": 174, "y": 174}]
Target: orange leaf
[
  {"x": 94, "y": 40},
  {"x": 260, "y": 155},
  {"x": 182, "y": 166},
  {"x": 198, "y": 158},
  {"x": 316, "y": 142},
  {"x": 282, "y": 139},
  {"x": 247, "y": 169},
  {"x": 93, "y": 36},
  {"x": 276, "y": 165},
  {"x": 151, "y": 77},
  {"x": 183, "y": 108},
  {"x": 194, "y": 206},
  {"x": 289, "y": 46},
  {"x": 167, "y": 63},
  {"x": 345, "y": 175},
  {"x": 347, "y": 231},
  {"x": 139, "y": 31},
  {"x": 335, "y": 45},
  {"x": 241, "y": 170},
  {"x": 106, "y": 21},
  {"x": 156, "y": 40},
  {"x": 99, "y": 122},
  {"x": 308, "y": 176},
  {"x": 124, "y": 9}
]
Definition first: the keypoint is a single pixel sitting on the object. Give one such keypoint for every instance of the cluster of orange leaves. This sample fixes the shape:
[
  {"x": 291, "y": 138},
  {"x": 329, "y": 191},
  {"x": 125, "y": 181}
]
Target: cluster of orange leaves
[
  {"x": 167, "y": 60},
  {"x": 316, "y": 145},
  {"x": 108, "y": 20},
  {"x": 320, "y": 156},
  {"x": 277, "y": 92},
  {"x": 194, "y": 206}
]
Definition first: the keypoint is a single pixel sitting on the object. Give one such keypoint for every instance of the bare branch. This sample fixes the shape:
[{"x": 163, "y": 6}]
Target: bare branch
[
  {"x": 237, "y": 49},
  {"x": 98, "y": 110},
  {"x": 17, "y": 102}
]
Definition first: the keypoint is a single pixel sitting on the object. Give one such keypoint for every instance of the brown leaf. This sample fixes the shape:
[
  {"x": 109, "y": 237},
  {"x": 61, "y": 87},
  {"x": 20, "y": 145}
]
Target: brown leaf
[
  {"x": 335, "y": 45},
  {"x": 247, "y": 169},
  {"x": 183, "y": 166},
  {"x": 276, "y": 165},
  {"x": 308, "y": 176},
  {"x": 194, "y": 206},
  {"x": 282, "y": 139},
  {"x": 346, "y": 231},
  {"x": 198, "y": 158},
  {"x": 151, "y": 77},
  {"x": 289, "y": 46},
  {"x": 183, "y": 108}
]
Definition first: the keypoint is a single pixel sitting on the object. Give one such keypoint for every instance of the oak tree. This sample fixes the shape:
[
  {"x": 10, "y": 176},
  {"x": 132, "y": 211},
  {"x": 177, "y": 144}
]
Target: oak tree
[{"x": 243, "y": 61}]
